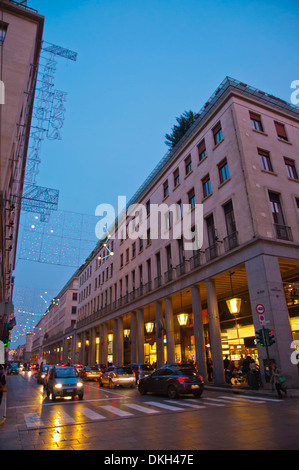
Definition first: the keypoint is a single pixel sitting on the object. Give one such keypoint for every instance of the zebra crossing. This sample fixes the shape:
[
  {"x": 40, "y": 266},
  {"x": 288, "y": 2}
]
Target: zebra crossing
[{"x": 80, "y": 412}]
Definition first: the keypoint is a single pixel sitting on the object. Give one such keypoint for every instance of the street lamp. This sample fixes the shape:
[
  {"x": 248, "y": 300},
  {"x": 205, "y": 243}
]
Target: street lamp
[
  {"x": 183, "y": 319},
  {"x": 234, "y": 304},
  {"x": 149, "y": 327}
]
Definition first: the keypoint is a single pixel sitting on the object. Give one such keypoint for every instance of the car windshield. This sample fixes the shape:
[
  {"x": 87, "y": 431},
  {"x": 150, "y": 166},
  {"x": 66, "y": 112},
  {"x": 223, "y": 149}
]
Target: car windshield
[
  {"x": 124, "y": 370},
  {"x": 147, "y": 367},
  {"x": 94, "y": 368},
  {"x": 66, "y": 373}
]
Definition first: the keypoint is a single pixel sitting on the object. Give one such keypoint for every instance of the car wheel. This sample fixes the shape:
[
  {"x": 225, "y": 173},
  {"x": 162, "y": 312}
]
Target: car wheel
[
  {"x": 100, "y": 383},
  {"x": 197, "y": 394},
  {"x": 141, "y": 389},
  {"x": 53, "y": 397},
  {"x": 171, "y": 392},
  {"x": 81, "y": 397}
]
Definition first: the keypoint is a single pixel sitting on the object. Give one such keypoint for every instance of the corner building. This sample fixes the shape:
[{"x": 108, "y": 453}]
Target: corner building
[{"x": 240, "y": 161}]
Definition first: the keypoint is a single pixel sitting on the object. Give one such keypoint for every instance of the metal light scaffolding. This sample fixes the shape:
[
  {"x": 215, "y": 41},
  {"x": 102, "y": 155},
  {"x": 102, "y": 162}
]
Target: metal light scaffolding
[
  {"x": 47, "y": 122},
  {"x": 66, "y": 240}
]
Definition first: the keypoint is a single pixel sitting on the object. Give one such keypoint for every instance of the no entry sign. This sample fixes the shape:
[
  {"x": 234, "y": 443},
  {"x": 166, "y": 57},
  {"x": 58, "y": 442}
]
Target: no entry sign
[{"x": 260, "y": 309}]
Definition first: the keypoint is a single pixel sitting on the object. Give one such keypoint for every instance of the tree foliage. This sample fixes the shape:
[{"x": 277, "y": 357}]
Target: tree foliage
[{"x": 185, "y": 121}]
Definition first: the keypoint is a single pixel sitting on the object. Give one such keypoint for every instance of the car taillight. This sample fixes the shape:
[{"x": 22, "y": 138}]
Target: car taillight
[
  {"x": 200, "y": 377},
  {"x": 180, "y": 379}
]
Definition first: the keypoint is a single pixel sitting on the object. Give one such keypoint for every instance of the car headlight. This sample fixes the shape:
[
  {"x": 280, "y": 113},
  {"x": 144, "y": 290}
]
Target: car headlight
[
  {"x": 58, "y": 386},
  {"x": 79, "y": 384}
]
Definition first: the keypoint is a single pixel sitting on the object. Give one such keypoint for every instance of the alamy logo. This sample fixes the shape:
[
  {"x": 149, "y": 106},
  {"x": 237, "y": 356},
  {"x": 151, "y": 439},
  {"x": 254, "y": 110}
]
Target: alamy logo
[
  {"x": 153, "y": 221},
  {"x": 295, "y": 94},
  {"x": 2, "y": 92}
]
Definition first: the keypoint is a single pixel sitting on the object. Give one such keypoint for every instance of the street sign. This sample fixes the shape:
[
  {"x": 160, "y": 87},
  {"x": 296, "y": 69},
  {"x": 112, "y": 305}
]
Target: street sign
[{"x": 260, "y": 309}]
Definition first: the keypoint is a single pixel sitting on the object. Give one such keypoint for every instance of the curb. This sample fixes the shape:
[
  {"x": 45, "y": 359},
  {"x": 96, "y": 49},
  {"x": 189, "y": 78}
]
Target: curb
[{"x": 3, "y": 409}]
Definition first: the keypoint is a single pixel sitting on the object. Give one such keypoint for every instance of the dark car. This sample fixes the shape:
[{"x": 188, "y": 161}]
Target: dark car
[
  {"x": 141, "y": 370},
  {"x": 172, "y": 382},
  {"x": 63, "y": 382},
  {"x": 181, "y": 365},
  {"x": 13, "y": 369},
  {"x": 91, "y": 373}
]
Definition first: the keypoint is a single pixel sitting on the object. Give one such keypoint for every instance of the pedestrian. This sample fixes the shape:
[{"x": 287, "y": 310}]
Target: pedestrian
[
  {"x": 210, "y": 369},
  {"x": 252, "y": 376},
  {"x": 2, "y": 383},
  {"x": 229, "y": 372},
  {"x": 226, "y": 362},
  {"x": 278, "y": 380}
]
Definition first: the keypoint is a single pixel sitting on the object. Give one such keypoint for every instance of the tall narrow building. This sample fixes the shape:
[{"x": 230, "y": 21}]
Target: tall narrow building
[{"x": 21, "y": 30}]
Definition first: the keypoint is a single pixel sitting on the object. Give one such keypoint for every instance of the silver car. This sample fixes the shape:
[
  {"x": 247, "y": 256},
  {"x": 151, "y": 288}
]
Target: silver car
[
  {"x": 64, "y": 382},
  {"x": 115, "y": 376}
]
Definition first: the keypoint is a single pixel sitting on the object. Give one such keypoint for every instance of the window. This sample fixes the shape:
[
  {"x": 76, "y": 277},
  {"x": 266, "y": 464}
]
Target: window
[
  {"x": 212, "y": 237},
  {"x": 281, "y": 132},
  {"x": 75, "y": 295},
  {"x": 176, "y": 177},
  {"x": 148, "y": 207},
  {"x": 134, "y": 250},
  {"x": 179, "y": 210},
  {"x": 265, "y": 160},
  {"x": 202, "y": 152},
  {"x": 256, "y": 122},
  {"x": 74, "y": 310},
  {"x": 3, "y": 31},
  {"x": 191, "y": 198},
  {"x": 148, "y": 236},
  {"x": 223, "y": 171},
  {"x": 127, "y": 255},
  {"x": 276, "y": 208},
  {"x": 165, "y": 189},
  {"x": 140, "y": 244},
  {"x": 206, "y": 186},
  {"x": 121, "y": 260},
  {"x": 188, "y": 165},
  {"x": 231, "y": 241},
  {"x": 291, "y": 168},
  {"x": 217, "y": 133}
]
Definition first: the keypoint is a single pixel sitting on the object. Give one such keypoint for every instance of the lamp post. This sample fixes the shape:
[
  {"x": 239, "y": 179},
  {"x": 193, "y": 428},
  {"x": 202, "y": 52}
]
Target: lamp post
[{"x": 234, "y": 305}]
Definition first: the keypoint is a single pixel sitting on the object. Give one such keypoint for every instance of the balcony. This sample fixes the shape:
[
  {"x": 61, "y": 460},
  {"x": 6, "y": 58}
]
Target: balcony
[
  {"x": 211, "y": 252},
  {"x": 231, "y": 241},
  {"x": 283, "y": 232}
]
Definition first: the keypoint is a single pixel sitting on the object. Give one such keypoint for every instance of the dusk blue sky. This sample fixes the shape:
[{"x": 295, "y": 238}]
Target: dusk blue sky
[{"x": 140, "y": 65}]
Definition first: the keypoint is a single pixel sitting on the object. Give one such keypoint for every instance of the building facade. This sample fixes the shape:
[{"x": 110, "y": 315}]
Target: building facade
[
  {"x": 53, "y": 339},
  {"x": 21, "y": 30},
  {"x": 156, "y": 299}
]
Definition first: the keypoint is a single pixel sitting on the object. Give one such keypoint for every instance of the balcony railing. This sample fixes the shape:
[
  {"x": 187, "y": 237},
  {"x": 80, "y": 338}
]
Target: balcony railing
[
  {"x": 283, "y": 232},
  {"x": 231, "y": 241}
]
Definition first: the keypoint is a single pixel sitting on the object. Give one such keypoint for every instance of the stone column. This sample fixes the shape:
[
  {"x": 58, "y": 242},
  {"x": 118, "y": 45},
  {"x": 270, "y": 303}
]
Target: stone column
[
  {"x": 104, "y": 344},
  {"x": 169, "y": 330},
  {"x": 140, "y": 335},
  {"x": 159, "y": 335},
  {"x": 114, "y": 345},
  {"x": 215, "y": 335},
  {"x": 133, "y": 337},
  {"x": 120, "y": 342},
  {"x": 199, "y": 337},
  {"x": 92, "y": 345},
  {"x": 266, "y": 288}
]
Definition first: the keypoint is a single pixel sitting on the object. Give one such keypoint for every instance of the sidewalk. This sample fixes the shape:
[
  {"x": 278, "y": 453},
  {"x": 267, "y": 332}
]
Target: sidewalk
[
  {"x": 245, "y": 390},
  {"x": 3, "y": 409}
]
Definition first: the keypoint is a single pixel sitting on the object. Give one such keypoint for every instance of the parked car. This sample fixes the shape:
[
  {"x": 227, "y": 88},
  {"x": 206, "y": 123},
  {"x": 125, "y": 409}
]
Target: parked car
[
  {"x": 91, "y": 373},
  {"x": 141, "y": 370},
  {"x": 41, "y": 374},
  {"x": 13, "y": 369},
  {"x": 64, "y": 382},
  {"x": 172, "y": 381},
  {"x": 115, "y": 376}
]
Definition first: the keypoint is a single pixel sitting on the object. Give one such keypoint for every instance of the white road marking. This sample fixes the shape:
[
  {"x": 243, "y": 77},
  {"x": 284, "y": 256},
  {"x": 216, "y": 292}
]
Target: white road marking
[
  {"x": 33, "y": 420},
  {"x": 116, "y": 411},
  {"x": 163, "y": 405},
  {"x": 141, "y": 408},
  {"x": 91, "y": 414},
  {"x": 183, "y": 403}
]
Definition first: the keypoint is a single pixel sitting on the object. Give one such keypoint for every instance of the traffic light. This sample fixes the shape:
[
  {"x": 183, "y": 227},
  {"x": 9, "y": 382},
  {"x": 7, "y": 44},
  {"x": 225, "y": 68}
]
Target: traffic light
[
  {"x": 260, "y": 337},
  {"x": 270, "y": 337},
  {"x": 5, "y": 334}
]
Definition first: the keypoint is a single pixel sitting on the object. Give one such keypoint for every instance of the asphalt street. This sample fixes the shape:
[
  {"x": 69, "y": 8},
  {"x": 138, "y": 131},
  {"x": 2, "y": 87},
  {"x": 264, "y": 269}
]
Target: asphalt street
[{"x": 122, "y": 419}]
